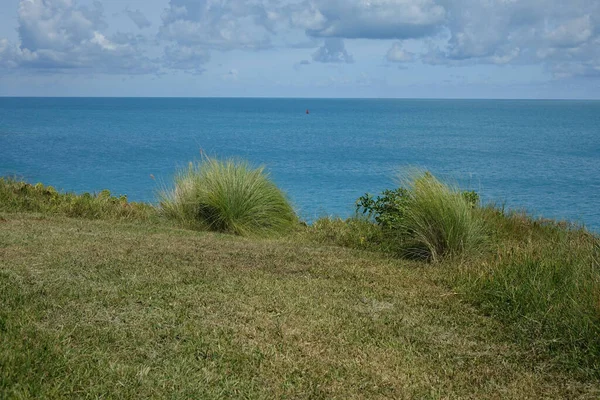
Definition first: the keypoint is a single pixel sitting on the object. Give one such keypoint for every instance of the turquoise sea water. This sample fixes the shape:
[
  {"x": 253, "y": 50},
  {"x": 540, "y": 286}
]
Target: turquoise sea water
[{"x": 543, "y": 156}]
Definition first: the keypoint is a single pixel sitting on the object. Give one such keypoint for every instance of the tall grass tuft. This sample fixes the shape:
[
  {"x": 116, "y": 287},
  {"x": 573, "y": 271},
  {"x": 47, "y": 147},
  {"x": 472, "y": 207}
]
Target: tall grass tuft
[
  {"x": 228, "y": 196},
  {"x": 438, "y": 220}
]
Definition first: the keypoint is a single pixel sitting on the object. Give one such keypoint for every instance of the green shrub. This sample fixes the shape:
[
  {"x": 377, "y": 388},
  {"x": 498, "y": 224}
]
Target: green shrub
[
  {"x": 228, "y": 196},
  {"x": 472, "y": 197},
  {"x": 438, "y": 221},
  {"x": 16, "y": 196},
  {"x": 387, "y": 209}
]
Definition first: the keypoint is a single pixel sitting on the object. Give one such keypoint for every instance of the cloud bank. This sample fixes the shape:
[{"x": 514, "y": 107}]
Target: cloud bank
[{"x": 67, "y": 36}]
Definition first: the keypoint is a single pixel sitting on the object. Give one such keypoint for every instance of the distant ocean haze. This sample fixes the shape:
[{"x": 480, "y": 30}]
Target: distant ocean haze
[{"x": 542, "y": 156}]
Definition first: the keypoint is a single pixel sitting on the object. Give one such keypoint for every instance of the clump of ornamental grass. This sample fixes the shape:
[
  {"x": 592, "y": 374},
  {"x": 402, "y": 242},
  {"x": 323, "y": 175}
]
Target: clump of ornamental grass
[
  {"x": 228, "y": 196},
  {"x": 438, "y": 220}
]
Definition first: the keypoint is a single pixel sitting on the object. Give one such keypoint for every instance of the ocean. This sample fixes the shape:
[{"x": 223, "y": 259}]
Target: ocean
[{"x": 542, "y": 156}]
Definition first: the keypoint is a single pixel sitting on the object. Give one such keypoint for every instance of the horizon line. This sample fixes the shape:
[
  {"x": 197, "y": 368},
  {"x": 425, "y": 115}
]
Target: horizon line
[{"x": 307, "y": 98}]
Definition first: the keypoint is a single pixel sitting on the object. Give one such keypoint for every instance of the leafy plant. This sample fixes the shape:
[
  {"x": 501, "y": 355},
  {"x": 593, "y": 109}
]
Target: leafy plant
[
  {"x": 472, "y": 197},
  {"x": 387, "y": 209}
]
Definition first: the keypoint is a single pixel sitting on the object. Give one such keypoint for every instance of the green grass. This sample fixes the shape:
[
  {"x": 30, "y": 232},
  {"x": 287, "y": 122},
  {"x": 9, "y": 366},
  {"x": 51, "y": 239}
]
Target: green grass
[
  {"x": 104, "y": 309},
  {"x": 228, "y": 196},
  {"x": 541, "y": 278},
  {"x": 126, "y": 305},
  {"x": 16, "y": 196},
  {"x": 544, "y": 282},
  {"x": 356, "y": 232},
  {"x": 438, "y": 221}
]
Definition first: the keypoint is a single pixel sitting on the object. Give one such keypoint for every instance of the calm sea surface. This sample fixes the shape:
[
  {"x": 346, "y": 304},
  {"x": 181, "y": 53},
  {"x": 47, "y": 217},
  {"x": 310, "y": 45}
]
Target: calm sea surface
[{"x": 543, "y": 156}]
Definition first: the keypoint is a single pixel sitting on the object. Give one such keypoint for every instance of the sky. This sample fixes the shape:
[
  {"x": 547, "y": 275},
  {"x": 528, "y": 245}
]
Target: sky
[{"x": 301, "y": 48}]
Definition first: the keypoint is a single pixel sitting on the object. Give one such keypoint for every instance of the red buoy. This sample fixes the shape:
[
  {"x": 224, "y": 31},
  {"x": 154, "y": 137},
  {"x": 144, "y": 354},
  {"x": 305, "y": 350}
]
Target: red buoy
[{"x": 308, "y": 112}]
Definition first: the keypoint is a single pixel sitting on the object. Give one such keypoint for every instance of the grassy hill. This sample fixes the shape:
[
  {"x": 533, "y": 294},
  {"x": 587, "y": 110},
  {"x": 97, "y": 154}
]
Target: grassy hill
[
  {"x": 103, "y": 298},
  {"x": 136, "y": 310}
]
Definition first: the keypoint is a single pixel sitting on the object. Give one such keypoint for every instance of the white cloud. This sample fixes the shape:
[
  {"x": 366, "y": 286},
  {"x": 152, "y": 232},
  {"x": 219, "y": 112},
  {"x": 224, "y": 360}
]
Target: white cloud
[
  {"x": 8, "y": 54},
  {"x": 222, "y": 25},
  {"x": 57, "y": 24},
  {"x": 561, "y": 35},
  {"x": 305, "y": 15},
  {"x": 370, "y": 19},
  {"x": 399, "y": 55},
  {"x": 61, "y": 35},
  {"x": 571, "y": 33},
  {"x": 333, "y": 51},
  {"x": 500, "y": 32}
]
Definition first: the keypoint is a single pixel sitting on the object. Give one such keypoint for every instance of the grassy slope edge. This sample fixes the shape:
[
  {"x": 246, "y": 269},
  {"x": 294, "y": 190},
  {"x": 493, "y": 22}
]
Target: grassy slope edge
[{"x": 124, "y": 310}]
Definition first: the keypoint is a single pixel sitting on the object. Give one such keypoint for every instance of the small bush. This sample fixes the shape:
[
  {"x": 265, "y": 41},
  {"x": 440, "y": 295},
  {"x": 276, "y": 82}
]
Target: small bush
[
  {"x": 387, "y": 209},
  {"x": 472, "y": 197},
  {"x": 228, "y": 196},
  {"x": 16, "y": 196},
  {"x": 438, "y": 220}
]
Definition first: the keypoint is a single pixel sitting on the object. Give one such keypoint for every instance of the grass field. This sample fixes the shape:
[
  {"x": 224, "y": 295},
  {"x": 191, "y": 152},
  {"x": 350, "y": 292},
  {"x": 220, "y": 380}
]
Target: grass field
[
  {"x": 130, "y": 309},
  {"x": 104, "y": 298}
]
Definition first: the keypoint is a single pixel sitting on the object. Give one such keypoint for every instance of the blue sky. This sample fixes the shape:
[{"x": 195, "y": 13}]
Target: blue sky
[{"x": 301, "y": 48}]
